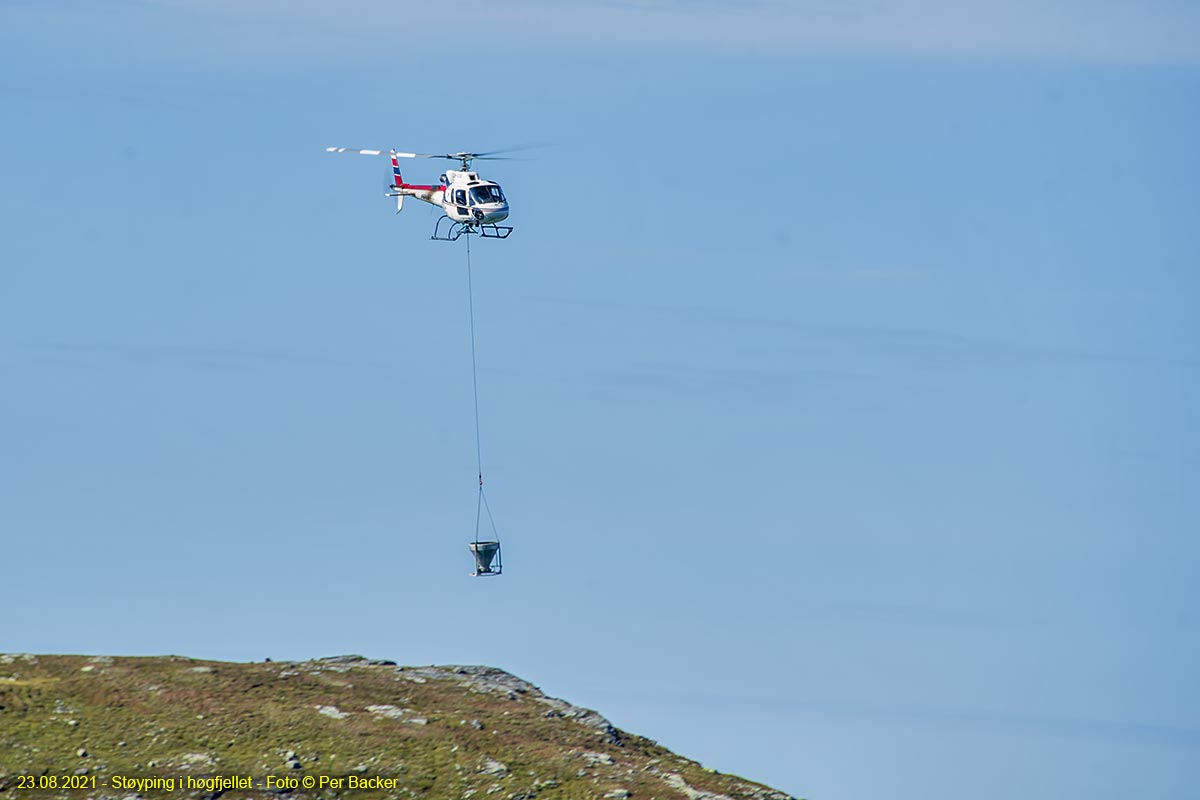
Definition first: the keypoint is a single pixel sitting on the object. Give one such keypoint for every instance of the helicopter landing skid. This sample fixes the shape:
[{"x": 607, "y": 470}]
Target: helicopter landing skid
[{"x": 458, "y": 229}]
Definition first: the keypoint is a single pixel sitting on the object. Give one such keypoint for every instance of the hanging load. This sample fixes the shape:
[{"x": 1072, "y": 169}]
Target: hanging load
[
  {"x": 487, "y": 558},
  {"x": 487, "y": 554}
]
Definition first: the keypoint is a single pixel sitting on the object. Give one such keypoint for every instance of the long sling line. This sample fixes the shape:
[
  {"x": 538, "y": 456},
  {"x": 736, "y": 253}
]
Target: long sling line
[{"x": 481, "y": 503}]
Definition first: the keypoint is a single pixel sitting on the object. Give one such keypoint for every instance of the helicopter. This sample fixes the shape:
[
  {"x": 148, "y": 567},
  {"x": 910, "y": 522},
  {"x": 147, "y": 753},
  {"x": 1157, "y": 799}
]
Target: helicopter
[{"x": 469, "y": 205}]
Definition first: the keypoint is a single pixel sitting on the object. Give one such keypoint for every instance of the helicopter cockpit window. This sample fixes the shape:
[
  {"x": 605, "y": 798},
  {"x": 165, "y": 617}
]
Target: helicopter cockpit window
[{"x": 486, "y": 194}]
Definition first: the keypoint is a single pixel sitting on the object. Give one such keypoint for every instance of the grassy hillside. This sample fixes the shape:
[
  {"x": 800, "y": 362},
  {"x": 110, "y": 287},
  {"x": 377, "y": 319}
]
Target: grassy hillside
[{"x": 99, "y": 727}]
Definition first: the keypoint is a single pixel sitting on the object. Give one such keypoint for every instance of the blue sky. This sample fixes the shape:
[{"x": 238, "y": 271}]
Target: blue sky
[{"x": 837, "y": 385}]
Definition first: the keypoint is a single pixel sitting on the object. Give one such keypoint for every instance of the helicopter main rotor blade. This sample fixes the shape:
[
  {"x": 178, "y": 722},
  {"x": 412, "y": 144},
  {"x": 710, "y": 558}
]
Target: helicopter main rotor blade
[
  {"x": 353, "y": 150},
  {"x": 490, "y": 155},
  {"x": 381, "y": 153},
  {"x": 517, "y": 149}
]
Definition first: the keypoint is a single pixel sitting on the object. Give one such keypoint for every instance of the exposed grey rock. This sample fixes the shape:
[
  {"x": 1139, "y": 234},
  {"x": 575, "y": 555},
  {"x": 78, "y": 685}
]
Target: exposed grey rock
[
  {"x": 584, "y": 716},
  {"x": 356, "y": 660},
  {"x": 760, "y": 793},
  {"x": 388, "y": 711},
  {"x": 597, "y": 758},
  {"x": 617, "y": 794},
  {"x": 203, "y": 759},
  {"x": 493, "y": 767},
  {"x": 492, "y": 680},
  {"x": 332, "y": 711},
  {"x": 81, "y": 752},
  {"x": 677, "y": 782},
  {"x": 28, "y": 658}
]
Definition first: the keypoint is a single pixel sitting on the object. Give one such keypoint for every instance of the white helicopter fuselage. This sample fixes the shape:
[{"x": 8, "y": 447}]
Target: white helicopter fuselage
[{"x": 461, "y": 195}]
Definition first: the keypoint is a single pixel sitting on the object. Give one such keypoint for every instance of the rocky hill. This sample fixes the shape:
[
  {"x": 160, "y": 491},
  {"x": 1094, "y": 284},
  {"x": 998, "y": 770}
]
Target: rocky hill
[{"x": 100, "y": 727}]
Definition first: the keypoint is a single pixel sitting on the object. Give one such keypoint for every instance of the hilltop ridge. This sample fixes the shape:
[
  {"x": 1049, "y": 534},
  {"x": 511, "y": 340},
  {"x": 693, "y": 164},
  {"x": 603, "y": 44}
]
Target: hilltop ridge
[{"x": 345, "y": 726}]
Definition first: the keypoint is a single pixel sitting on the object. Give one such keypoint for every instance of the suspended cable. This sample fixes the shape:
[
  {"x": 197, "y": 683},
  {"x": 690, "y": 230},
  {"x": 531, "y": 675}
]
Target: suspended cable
[
  {"x": 474, "y": 376},
  {"x": 481, "y": 503}
]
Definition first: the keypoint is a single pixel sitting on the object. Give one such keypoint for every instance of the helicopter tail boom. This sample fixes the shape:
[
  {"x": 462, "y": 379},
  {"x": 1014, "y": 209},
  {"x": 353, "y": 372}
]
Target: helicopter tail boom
[{"x": 399, "y": 189}]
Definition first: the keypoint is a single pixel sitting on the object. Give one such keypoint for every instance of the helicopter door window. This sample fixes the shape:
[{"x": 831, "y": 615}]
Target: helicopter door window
[{"x": 460, "y": 197}]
